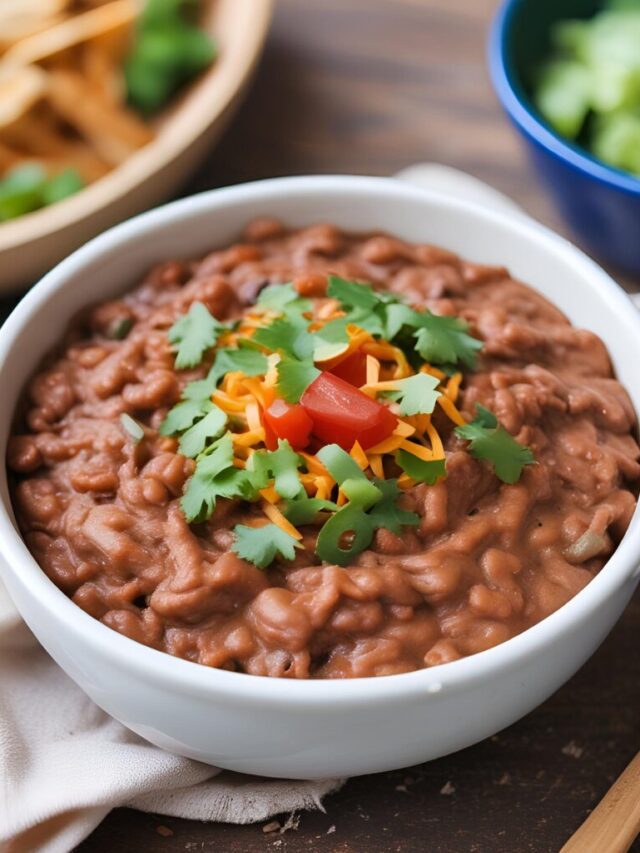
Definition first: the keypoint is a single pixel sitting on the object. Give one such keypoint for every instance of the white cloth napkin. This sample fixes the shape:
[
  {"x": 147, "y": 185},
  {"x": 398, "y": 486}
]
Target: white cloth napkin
[{"x": 65, "y": 764}]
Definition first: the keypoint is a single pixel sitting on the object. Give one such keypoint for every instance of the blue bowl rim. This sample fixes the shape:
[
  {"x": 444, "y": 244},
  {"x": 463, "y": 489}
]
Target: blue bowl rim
[{"x": 513, "y": 99}]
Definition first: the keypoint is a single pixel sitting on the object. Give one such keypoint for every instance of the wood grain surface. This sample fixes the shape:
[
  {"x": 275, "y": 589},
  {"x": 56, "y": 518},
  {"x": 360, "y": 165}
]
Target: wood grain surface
[{"x": 371, "y": 86}]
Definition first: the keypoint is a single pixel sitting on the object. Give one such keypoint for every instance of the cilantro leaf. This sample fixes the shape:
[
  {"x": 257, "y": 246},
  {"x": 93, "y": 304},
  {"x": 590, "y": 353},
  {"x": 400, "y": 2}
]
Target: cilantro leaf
[
  {"x": 494, "y": 444},
  {"x": 194, "y": 333},
  {"x": 417, "y": 394},
  {"x": 248, "y": 361},
  {"x": 399, "y": 315},
  {"x": 287, "y": 334},
  {"x": 420, "y": 470},
  {"x": 260, "y": 545},
  {"x": 352, "y": 294},
  {"x": 281, "y": 465},
  {"x": 283, "y": 298},
  {"x": 445, "y": 340},
  {"x": 331, "y": 340},
  {"x": 194, "y": 439},
  {"x": 365, "y": 307},
  {"x": 294, "y": 377},
  {"x": 184, "y": 414},
  {"x": 199, "y": 391},
  {"x": 386, "y": 513},
  {"x": 215, "y": 477},
  {"x": 305, "y": 510}
]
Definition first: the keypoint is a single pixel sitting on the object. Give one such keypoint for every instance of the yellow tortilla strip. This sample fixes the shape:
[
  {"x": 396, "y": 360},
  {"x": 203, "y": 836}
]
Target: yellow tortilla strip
[
  {"x": 117, "y": 16},
  {"x": 20, "y": 89},
  {"x": 113, "y": 132}
]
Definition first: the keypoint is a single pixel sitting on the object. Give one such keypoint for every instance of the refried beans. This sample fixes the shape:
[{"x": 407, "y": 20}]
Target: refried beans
[{"x": 101, "y": 512}]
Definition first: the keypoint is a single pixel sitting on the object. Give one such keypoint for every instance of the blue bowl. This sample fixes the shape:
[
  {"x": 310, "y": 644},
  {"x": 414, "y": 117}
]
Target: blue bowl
[{"x": 601, "y": 204}]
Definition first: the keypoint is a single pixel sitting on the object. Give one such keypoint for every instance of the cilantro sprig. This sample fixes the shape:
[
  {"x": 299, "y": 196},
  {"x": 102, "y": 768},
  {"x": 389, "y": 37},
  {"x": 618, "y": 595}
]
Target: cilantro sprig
[
  {"x": 491, "y": 442},
  {"x": 421, "y": 470},
  {"x": 261, "y": 545},
  {"x": 437, "y": 339},
  {"x": 193, "y": 334},
  {"x": 215, "y": 477},
  {"x": 294, "y": 377},
  {"x": 282, "y": 298},
  {"x": 417, "y": 394},
  {"x": 279, "y": 465}
]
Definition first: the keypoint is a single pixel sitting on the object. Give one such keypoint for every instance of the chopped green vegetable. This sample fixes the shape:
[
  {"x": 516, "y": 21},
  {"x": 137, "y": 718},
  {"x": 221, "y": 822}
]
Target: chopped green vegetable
[
  {"x": 417, "y": 394},
  {"x": 588, "y": 89},
  {"x": 135, "y": 430},
  {"x": 361, "y": 492},
  {"x": 420, "y": 470},
  {"x": 261, "y": 545},
  {"x": 489, "y": 441},
  {"x": 294, "y": 377},
  {"x": 28, "y": 188},
  {"x": 339, "y": 464},
  {"x": 195, "y": 438},
  {"x": 194, "y": 333},
  {"x": 345, "y": 535},
  {"x": 562, "y": 95},
  {"x": 386, "y": 513},
  {"x": 229, "y": 360},
  {"x": 168, "y": 51},
  {"x": 305, "y": 510},
  {"x": 61, "y": 186},
  {"x": 281, "y": 465},
  {"x": 119, "y": 328}
]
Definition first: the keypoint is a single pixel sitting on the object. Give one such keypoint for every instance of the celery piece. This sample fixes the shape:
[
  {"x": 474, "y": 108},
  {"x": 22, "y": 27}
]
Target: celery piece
[{"x": 562, "y": 96}]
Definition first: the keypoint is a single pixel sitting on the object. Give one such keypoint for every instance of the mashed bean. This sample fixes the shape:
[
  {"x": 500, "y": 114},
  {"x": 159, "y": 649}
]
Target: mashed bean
[{"x": 488, "y": 560}]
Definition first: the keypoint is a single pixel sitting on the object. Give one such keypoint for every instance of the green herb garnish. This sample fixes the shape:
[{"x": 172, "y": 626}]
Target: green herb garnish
[
  {"x": 215, "y": 477},
  {"x": 417, "y": 394},
  {"x": 194, "y": 334},
  {"x": 489, "y": 441},
  {"x": 168, "y": 51},
  {"x": 27, "y": 188},
  {"x": 261, "y": 545},
  {"x": 194, "y": 440},
  {"x": 281, "y": 465},
  {"x": 245, "y": 360},
  {"x": 294, "y": 377},
  {"x": 420, "y": 470}
]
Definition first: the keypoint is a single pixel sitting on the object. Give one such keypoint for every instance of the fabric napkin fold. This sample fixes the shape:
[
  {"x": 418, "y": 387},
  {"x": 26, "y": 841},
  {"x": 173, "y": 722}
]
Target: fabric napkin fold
[{"x": 65, "y": 764}]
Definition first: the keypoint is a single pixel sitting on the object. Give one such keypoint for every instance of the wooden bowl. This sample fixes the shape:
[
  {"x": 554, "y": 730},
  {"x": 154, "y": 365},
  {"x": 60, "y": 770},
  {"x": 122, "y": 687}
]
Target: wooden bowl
[{"x": 32, "y": 244}]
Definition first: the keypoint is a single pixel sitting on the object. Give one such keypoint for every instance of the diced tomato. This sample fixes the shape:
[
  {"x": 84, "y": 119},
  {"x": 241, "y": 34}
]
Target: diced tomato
[
  {"x": 342, "y": 414},
  {"x": 353, "y": 369},
  {"x": 286, "y": 421}
]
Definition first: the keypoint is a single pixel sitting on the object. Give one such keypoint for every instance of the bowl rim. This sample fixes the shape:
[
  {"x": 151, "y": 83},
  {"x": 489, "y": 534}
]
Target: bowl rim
[
  {"x": 331, "y": 695},
  {"x": 516, "y": 104}
]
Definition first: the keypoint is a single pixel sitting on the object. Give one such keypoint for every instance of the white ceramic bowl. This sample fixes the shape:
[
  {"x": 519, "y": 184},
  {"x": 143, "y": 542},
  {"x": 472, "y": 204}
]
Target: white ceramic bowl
[{"x": 307, "y": 729}]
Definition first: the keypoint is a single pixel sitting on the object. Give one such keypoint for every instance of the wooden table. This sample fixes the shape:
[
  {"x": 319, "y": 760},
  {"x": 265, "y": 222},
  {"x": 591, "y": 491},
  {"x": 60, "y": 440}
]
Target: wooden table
[{"x": 370, "y": 86}]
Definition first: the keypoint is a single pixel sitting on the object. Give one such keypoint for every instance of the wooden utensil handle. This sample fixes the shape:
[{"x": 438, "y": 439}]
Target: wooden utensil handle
[{"x": 615, "y": 822}]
